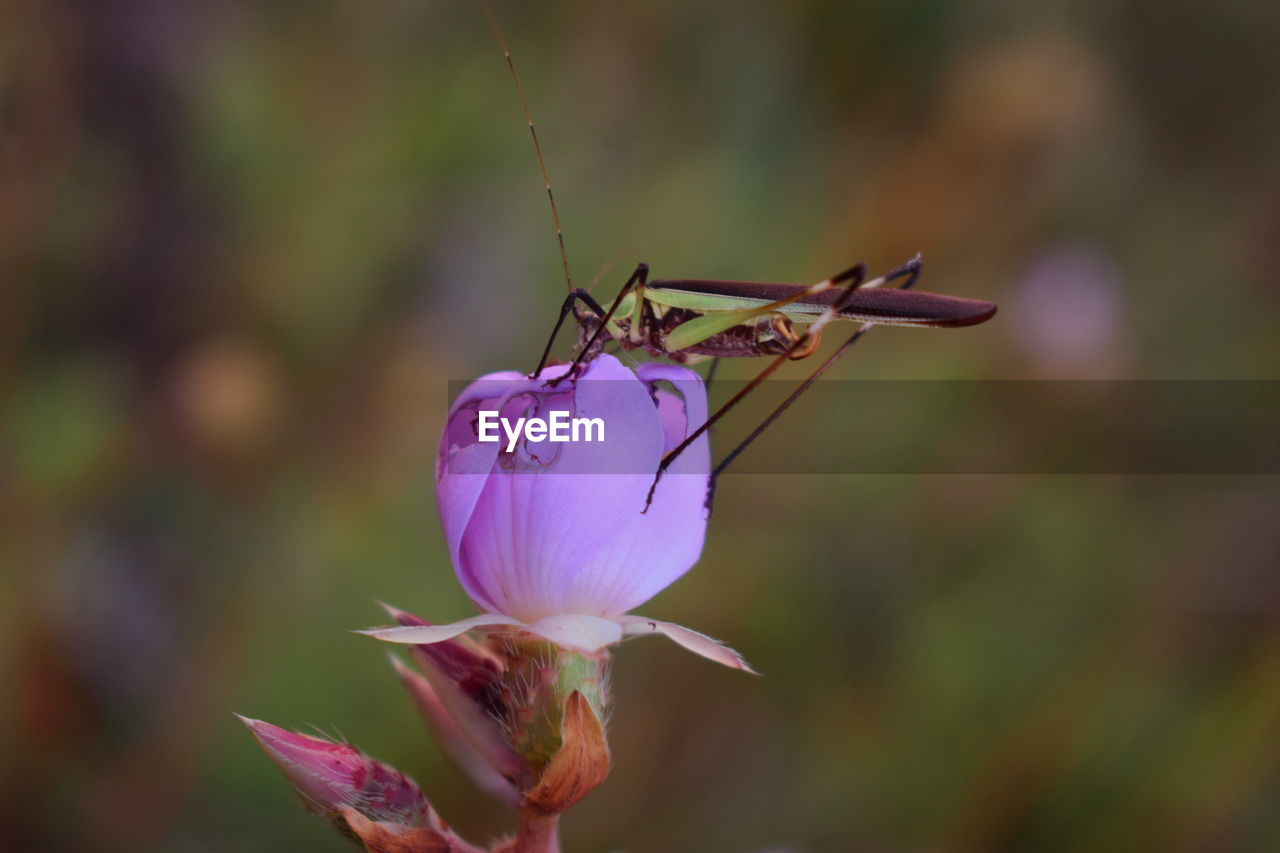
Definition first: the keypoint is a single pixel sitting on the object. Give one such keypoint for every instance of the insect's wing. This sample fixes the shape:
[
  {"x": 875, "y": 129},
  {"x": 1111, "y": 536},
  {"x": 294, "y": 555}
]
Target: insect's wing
[
  {"x": 893, "y": 307},
  {"x": 883, "y": 306}
]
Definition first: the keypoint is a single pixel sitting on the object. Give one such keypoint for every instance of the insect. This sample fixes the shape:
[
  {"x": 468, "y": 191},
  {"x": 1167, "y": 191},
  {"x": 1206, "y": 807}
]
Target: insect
[{"x": 692, "y": 320}]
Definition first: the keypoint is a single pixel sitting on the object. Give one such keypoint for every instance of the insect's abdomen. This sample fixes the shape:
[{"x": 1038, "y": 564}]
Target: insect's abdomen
[{"x": 769, "y": 335}]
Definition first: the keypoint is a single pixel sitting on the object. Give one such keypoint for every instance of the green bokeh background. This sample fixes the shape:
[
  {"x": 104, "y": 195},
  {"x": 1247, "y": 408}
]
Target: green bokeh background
[{"x": 246, "y": 245}]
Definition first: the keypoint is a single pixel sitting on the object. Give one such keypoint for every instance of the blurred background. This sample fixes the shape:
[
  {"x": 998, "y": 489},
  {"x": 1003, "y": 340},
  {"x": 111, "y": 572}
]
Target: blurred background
[{"x": 245, "y": 246}]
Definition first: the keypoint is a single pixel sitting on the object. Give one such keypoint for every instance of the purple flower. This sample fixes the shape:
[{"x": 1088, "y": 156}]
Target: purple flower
[{"x": 552, "y": 538}]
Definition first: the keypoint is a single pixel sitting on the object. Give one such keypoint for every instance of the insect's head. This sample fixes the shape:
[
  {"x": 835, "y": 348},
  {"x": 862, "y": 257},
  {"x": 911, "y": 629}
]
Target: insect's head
[{"x": 589, "y": 321}]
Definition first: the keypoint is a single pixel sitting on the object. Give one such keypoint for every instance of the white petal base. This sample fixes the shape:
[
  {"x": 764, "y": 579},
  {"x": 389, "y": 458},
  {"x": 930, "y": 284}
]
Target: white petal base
[
  {"x": 425, "y": 635},
  {"x": 579, "y": 632},
  {"x": 576, "y": 631}
]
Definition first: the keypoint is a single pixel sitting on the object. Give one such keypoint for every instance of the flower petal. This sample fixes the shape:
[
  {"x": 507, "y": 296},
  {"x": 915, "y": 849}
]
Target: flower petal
[
  {"x": 426, "y": 634},
  {"x": 463, "y": 464},
  {"x": 698, "y": 643},
  {"x": 456, "y": 496},
  {"x": 561, "y": 528},
  {"x": 693, "y": 395},
  {"x": 546, "y": 541},
  {"x": 662, "y": 544}
]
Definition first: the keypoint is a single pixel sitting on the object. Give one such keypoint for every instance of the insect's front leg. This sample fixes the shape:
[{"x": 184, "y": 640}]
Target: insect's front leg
[
  {"x": 574, "y": 296},
  {"x": 637, "y": 279}
]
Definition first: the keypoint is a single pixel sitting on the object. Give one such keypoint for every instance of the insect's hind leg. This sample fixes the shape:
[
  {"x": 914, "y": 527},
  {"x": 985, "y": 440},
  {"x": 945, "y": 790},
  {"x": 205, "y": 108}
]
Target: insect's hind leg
[
  {"x": 855, "y": 277},
  {"x": 911, "y": 270},
  {"x": 711, "y": 374},
  {"x": 714, "y": 480}
]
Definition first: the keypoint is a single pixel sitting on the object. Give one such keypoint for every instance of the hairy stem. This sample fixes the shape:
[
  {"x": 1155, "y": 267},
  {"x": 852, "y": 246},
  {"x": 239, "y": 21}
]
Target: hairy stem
[{"x": 538, "y": 833}]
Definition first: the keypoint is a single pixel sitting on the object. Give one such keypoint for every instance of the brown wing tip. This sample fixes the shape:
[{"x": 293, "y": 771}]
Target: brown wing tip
[
  {"x": 977, "y": 311},
  {"x": 919, "y": 308}
]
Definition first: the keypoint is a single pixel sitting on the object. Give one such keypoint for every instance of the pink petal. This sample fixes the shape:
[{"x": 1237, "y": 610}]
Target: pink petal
[
  {"x": 546, "y": 542},
  {"x": 664, "y": 543},
  {"x": 693, "y": 397},
  {"x": 463, "y": 465}
]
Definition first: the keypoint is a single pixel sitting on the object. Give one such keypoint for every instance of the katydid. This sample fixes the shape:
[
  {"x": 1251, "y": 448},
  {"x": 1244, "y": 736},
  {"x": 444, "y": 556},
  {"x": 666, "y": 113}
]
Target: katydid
[{"x": 691, "y": 320}]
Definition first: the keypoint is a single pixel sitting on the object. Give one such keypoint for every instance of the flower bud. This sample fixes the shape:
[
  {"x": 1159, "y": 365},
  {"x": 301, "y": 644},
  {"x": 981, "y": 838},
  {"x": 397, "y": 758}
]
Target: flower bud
[
  {"x": 558, "y": 532},
  {"x": 559, "y": 541},
  {"x": 332, "y": 776}
]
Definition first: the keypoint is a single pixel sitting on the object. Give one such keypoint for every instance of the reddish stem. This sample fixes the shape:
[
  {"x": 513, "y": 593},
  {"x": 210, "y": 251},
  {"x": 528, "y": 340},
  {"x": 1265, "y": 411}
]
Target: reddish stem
[{"x": 538, "y": 833}]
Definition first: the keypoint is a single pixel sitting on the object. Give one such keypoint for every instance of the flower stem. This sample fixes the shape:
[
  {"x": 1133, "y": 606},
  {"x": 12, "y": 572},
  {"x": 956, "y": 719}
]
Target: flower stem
[{"x": 538, "y": 833}]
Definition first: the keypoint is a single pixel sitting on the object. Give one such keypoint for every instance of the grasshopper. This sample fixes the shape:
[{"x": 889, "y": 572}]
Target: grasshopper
[{"x": 692, "y": 320}]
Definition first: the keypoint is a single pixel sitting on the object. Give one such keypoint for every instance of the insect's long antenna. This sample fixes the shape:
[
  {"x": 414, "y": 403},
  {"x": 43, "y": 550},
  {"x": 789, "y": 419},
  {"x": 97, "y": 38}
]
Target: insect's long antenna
[{"x": 537, "y": 147}]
